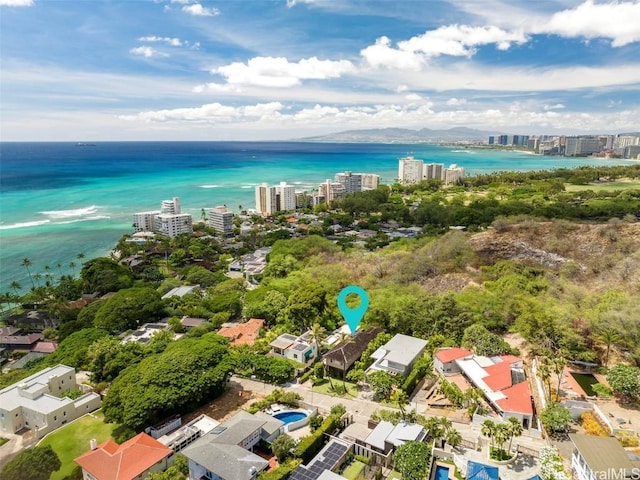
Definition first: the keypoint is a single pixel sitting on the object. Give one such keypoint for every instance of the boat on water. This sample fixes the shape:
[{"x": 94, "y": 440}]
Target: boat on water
[{"x": 84, "y": 144}]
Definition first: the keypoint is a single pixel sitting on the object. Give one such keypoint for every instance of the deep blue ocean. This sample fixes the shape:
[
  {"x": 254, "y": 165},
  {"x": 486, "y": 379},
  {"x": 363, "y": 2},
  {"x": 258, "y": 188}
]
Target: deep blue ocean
[{"x": 59, "y": 200}]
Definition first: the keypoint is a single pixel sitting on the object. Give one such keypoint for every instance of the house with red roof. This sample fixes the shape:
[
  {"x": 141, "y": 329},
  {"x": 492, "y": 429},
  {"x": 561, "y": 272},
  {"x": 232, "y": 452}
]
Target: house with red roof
[
  {"x": 134, "y": 459},
  {"x": 501, "y": 379},
  {"x": 245, "y": 333},
  {"x": 444, "y": 360}
]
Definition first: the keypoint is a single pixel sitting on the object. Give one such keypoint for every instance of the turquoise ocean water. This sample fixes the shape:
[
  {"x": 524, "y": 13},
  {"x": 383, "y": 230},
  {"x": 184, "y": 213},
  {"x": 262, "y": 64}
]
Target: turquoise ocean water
[{"x": 58, "y": 200}]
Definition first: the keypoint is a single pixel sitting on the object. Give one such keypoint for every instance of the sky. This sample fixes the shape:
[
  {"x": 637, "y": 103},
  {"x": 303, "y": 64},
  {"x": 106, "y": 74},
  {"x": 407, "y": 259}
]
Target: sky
[{"x": 109, "y": 70}]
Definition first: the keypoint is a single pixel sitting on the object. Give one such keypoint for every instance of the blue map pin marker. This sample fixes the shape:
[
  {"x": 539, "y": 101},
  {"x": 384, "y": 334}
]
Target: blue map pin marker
[{"x": 353, "y": 316}]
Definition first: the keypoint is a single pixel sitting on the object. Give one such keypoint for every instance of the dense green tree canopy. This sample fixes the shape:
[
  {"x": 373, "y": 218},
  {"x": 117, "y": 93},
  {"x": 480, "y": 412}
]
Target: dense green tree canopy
[
  {"x": 105, "y": 275},
  {"x": 625, "y": 381},
  {"x": 37, "y": 463},
  {"x": 412, "y": 460},
  {"x": 129, "y": 308}
]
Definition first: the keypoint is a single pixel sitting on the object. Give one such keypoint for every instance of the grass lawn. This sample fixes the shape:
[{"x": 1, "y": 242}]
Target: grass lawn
[
  {"x": 394, "y": 475},
  {"x": 325, "y": 387},
  {"x": 72, "y": 440},
  {"x": 353, "y": 470},
  {"x": 599, "y": 187},
  {"x": 3, "y": 441}
]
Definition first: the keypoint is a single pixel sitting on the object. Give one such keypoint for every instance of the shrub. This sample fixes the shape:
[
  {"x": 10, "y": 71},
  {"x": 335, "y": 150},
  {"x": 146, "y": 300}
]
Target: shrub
[
  {"x": 283, "y": 471},
  {"x": 311, "y": 444},
  {"x": 305, "y": 376},
  {"x": 591, "y": 425}
]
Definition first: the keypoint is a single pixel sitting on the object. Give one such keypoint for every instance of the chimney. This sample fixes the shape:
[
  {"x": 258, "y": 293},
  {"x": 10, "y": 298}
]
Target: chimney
[{"x": 93, "y": 443}]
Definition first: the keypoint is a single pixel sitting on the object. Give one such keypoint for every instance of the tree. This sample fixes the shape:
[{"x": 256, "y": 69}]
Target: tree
[
  {"x": 129, "y": 308},
  {"x": 37, "y": 463},
  {"x": 382, "y": 383},
  {"x": 453, "y": 437},
  {"x": 625, "y": 381},
  {"x": 609, "y": 336},
  {"x": 488, "y": 429},
  {"x": 515, "y": 429},
  {"x": 282, "y": 447},
  {"x": 399, "y": 397},
  {"x": 551, "y": 465},
  {"x": 16, "y": 287},
  {"x": 26, "y": 263},
  {"x": 556, "y": 418},
  {"x": 412, "y": 460}
]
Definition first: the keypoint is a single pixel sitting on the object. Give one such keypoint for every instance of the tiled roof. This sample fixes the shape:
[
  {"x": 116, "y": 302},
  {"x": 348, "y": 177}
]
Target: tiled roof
[
  {"x": 499, "y": 376},
  {"x": 111, "y": 461},
  {"x": 26, "y": 340},
  {"x": 446, "y": 355},
  {"x": 518, "y": 399},
  {"x": 354, "y": 348},
  {"x": 45, "y": 347},
  {"x": 242, "y": 333}
]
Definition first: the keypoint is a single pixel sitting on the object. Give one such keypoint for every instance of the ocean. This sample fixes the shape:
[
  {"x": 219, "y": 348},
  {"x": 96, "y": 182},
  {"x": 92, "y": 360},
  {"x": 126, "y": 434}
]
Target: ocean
[{"x": 62, "y": 201}]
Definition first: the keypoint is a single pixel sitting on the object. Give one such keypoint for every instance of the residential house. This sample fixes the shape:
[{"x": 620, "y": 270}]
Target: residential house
[
  {"x": 444, "y": 360},
  {"x": 342, "y": 357},
  {"x": 18, "y": 341},
  {"x": 501, "y": 379},
  {"x": 134, "y": 459},
  {"x": 398, "y": 355},
  {"x": 594, "y": 458},
  {"x": 226, "y": 452},
  {"x": 192, "y": 322},
  {"x": 386, "y": 436},
  {"x": 144, "y": 333},
  {"x": 301, "y": 348},
  {"x": 180, "y": 438},
  {"x": 181, "y": 291},
  {"x": 245, "y": 333},
  {"x": 36, "y": 402},
  {"x": 329, "y": 458}
]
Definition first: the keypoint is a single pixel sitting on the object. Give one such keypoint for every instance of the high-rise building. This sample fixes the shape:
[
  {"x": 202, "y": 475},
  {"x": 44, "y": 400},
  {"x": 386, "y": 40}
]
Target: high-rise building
[
  {"x": 170, "y": 206},
  {"x": 221, "y": 218},
  {"x": 286, "y": 197},
  {"x": 453, "y": 174},
  {"x": 409, "y": 170},
  {"x": 327, "y": 192},
  {"x": 352, "y": 182},
  {"x": 582, "y": 145},
  {"x": 144, "y": 221},
  {"x": 266, "y": 199},
  {"x": 370, "y": 181},
  {"x": 433, "y": 171},
  {"x": 172, "y": 225}
]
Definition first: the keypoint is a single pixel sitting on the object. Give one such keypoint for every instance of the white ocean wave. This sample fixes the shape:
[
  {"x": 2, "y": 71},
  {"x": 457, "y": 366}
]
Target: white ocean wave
[
  {"x": 247, "y": 186},
  {"x": 209, "y": 186},
  {"x": 78, "y": 212},
  {"x": 85, "y": 219},
  {"x": 24, "y": 225},
  {"x": 470, "y": 152}
]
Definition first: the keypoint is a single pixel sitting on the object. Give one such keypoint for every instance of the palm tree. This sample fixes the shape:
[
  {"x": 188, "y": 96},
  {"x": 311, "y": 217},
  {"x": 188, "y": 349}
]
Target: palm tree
[
  {"x": 26, "y": 263},
  {"x": 453, "y": 438},
  {"x": 80, "y": 256},
  {"x": 15, "y": 285},
  {"x": 399, "y": 397},
  {"x": 317, "y": 334},
  {"x": 501, "y": 434},
  {"x": 515, "y": 429},
  {"x": 544, "y": 369},
  {"x": 59, "y": 267},
  {"x": 434, "y": 428},
  {"x": 488, "y": 429},
  {"x": 345, "y": 339},
  {"x": 37, "y": 277},
  {"x": 609, "y": 336},
  {"x": 558, "y": 363}
]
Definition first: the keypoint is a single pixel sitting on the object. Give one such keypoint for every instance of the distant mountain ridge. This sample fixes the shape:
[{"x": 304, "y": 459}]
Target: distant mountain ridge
[{"x": 403, "y": 135}]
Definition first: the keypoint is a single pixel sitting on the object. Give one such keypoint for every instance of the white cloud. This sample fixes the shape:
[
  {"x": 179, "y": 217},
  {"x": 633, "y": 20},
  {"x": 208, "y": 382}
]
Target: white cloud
[
  {"x": 147, "y": 52},
  {"x": 557, "y": 106},
  {"x": 174, "y": 42},
  {"x": 16, "y": 3},
  {"x": 454, "y": 102},
  {"x": 293, "y": 3},
  {"x": 383, "y": 55},
  {"x": 618, "y": 21},
  {"x": 209, "y": 113},
  {"x": 413, "y": 96},
  {"x": 279, "y": 72},
  {"x": 216, "y": 87},
  {"x": 198, "y": 10}
]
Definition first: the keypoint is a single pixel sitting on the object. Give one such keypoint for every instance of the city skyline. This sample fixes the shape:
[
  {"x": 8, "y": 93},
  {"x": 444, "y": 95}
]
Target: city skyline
[{"x": 257, "y": 70}]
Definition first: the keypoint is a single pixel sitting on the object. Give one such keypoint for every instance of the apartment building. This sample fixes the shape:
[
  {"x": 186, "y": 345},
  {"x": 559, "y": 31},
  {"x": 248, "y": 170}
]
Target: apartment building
[
  {"x": 221, "y": 218},
  {"x": 169, "y": 220},
  {"x": 410, "y": 170},
  {"x": 36, "y": 402}
]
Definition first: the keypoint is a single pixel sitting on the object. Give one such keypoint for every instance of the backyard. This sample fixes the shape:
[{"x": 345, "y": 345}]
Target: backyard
[
  {"x": 325, "y": 387},
  {"x": 353, "y": 471},
  {"x": 72, "y": 440}
]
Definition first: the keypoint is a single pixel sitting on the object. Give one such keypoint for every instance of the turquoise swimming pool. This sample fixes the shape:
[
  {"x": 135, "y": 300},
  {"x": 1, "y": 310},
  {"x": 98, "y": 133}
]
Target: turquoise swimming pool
[
  {"x": 290, "y": 416},
  {"x": 442, "y": 473}
]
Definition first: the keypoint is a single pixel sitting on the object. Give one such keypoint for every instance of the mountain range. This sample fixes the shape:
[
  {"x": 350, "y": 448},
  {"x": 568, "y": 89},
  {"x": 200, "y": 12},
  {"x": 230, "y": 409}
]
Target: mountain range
[{"x": 403, "y": 135}]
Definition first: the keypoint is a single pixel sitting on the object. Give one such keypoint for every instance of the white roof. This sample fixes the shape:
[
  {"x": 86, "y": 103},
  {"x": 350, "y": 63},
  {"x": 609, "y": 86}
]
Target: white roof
[
  {"x": 379, "y": 434},
  {"x": 475, "y": 372},
  {"x": 10, "y": 397}
]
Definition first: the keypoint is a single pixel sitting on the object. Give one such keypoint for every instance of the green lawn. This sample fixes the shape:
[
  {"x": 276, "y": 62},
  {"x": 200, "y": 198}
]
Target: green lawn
[
  {"x": 353, "y": 470},
  {"x": 394, "y": 475},
  {"x": 3, "y": 441},
  {"x": 598, "y": 187},
  {"x": 325, "y": 387},
  {"x": 72, "y": 440}
]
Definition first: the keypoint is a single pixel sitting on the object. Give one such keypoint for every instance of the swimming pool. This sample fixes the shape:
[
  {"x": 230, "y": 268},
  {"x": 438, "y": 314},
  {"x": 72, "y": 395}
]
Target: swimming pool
[
  {"x": 290, "y": 416},
  {"x": 442, "y": 473}
]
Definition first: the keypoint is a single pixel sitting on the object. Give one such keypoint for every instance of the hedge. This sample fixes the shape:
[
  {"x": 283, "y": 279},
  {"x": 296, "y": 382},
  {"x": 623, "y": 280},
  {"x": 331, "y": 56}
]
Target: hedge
[
  {"x": 283, "y": 471},
  {"x": 420, "y": 369},
  {"x": 310, "y": 445},
  {"x": 305, "y": 376}
]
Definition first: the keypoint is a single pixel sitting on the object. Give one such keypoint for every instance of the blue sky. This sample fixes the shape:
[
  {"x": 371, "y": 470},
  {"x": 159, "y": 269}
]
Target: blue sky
[{"x": 73, "y": 70}]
